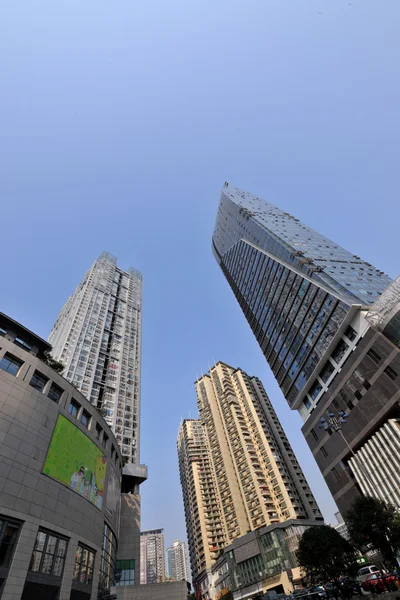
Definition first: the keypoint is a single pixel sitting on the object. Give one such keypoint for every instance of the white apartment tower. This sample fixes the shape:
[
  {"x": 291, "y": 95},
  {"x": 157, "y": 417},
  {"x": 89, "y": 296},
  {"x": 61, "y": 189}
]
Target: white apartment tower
[
  {"x": 152, "y": 569},
  {"x": 177, "y": 562},
  {"x": 97, "y": 336}
]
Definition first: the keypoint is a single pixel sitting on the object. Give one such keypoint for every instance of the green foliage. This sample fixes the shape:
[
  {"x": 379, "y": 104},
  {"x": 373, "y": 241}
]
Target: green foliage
[
  {"x": 372, "y": 522},
  {"x": 51, "y": 362},
  {"x": 325, "y": 554}
]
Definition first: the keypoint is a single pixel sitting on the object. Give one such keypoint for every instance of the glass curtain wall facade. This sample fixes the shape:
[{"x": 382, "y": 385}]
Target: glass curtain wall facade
[
  {"x": 97, "y": 336},
  {"x": 296, "y": 288}
]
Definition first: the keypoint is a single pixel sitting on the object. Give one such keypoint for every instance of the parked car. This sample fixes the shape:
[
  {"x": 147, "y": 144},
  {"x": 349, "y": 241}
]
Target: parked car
[
  {"x": 377, "y": 583},
  {"x": 320, "y": 590},
  {"x": 365, "y": 571},
  {"x": 349, "y": 587}
]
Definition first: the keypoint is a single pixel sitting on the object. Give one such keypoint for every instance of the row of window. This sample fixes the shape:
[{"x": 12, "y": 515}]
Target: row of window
[
  {"x": 12, "y": 365},
  {"x": 49, "y": 552}
]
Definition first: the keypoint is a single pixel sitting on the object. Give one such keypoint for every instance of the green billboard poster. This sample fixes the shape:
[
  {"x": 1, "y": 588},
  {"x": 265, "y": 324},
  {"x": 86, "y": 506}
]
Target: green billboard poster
[{"x": 74, "y": 460}]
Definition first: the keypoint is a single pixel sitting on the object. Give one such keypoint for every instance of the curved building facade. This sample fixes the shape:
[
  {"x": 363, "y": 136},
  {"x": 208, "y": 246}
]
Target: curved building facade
[{"x": 60, "y": 480}]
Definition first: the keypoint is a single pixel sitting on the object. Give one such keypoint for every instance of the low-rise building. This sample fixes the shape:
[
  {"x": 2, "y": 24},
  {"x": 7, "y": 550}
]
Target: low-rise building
[{"x": 61, "y": 478}]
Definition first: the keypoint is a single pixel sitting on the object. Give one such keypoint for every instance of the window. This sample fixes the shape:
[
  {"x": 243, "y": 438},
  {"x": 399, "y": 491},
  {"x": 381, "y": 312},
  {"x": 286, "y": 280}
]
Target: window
[
  {"x": 74, "y": 408},
  {"x": 98, "y": 431},
  {"x": 84, "y": 560},
  {"x": 85, "y": 419},
  {"x": 125, "y": 572},
  {"x": 358, "y": 394},
  {"x": 366, "y": 384},
  {"x": 107, "y": 565},
  {"x": 2, "y": 331},
  {"x": 314, "y": 434},
  {"x": 105, "y": 439},
  {"x": 49, "y": 554},
  {"x": 339, "y": 351},
  {"x": 9, "y": 531},
  {"x": 307, "y": 403},
  {"x": 112, "y": 451},
  {"x": 327, "y": 371},
  {"x": 38, "y": 381},
  {"x": 350, "y": 333},
  {"x": 55, "y": 392},
  {"x": 324, "y": 452},
  {"x": 10, "y": 364},
  {"x": 374, "y": 355},
  {"x": 22, "y": 344},
  {"x": 391, "y": 373},
  {"x": 336, "y": 473}
]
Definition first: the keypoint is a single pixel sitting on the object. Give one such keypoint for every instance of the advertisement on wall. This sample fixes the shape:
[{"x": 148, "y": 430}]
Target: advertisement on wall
[
  {"x": 113, "y": 498},
  {"x": 74, "y": 460}
]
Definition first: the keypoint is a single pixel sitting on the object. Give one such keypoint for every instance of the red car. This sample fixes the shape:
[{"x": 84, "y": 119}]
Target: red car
[{"x": 378, "y": 583}]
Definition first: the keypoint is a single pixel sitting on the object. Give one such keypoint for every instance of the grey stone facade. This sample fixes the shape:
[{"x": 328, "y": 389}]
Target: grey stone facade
[
  {"x": 173, "y": 590},
  {"x": 367, "y": 389},
  {"x": 32, "y": 499}
]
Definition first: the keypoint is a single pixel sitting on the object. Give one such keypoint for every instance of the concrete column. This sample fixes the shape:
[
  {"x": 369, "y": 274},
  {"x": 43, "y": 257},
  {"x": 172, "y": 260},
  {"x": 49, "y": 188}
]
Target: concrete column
[{"x": 15, "y": 581}]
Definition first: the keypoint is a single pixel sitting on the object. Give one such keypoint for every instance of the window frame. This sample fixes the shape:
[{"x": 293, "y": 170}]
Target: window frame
[
  {"x": 44, "y": 553},
  {"x": 6, "y": 522},
  {"x": 40, "y": 377},
  {"x": 57, "y": 387},
  {"x": 13, "y": 360},
  {"x": 73, "y": 403},
  {"x": 85, "y": 415},
  {"x": 90, "y": 552}
]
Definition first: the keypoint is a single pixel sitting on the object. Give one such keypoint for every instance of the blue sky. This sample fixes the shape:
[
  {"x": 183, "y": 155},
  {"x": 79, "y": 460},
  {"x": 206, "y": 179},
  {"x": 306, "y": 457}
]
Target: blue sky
[{"x": 120, "y": 121}]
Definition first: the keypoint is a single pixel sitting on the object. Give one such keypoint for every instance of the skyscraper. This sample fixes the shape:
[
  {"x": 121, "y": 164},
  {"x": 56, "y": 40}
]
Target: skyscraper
[
  {"x": 238, "y": 471},
  {"x": 152, "y": 556},
  {"x": 177, "y": 561},
  {"x": 97, "y": 336},
  {"x": 297, "y": 288},
  {"x": 328, "y": 323}
]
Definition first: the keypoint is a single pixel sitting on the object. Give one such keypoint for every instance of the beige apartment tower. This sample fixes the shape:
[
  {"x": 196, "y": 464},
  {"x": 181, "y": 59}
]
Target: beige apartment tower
[{"x": 238, "y": 470}]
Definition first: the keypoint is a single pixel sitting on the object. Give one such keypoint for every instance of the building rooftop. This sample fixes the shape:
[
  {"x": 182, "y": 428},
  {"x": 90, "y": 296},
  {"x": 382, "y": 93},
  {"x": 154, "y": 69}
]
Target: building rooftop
[{"x": 10, "y": 325}]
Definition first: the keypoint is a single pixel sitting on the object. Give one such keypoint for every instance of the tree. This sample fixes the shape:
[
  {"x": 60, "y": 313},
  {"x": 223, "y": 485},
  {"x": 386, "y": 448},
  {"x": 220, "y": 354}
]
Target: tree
[
  {"x": 325, "y": 554},
  {"x": 372, "y": 522},
  {"x": 51, "y": 362}
]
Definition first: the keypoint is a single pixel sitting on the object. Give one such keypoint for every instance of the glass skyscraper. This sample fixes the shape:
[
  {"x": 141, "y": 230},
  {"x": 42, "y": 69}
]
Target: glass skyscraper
[
  {"x": 97, "y": 336},
  {"x": 298, "y": 290}
]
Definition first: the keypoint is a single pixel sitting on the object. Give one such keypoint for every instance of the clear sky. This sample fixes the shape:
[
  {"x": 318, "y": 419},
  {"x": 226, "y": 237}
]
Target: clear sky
[{"x": 120, "y": 122}]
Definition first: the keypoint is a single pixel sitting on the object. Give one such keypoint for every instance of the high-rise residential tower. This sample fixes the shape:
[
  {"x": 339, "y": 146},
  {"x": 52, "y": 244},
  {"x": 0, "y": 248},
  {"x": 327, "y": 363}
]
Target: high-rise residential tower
[
  {"x": 328, "y": 323},
  {"x": 238, "y": 471},
  {"x": 152, "y": 568},
  {"x": 97, "y": 336},
  {"x": 177, "y": 562}
]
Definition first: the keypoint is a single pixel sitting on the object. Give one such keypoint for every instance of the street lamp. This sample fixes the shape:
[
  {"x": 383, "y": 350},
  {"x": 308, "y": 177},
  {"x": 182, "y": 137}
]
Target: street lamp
[{"x": 335, "y": 423}]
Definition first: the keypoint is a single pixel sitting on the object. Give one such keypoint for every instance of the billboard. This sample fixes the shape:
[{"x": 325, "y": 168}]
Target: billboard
[{"x": 74, "y": 460}]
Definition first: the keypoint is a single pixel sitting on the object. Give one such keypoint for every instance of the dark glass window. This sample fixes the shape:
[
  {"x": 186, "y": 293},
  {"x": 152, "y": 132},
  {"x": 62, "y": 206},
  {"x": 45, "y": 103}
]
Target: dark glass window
[
  {"x": 10, "y": 364},
  {"x": 339, "y": 351},
  {"x": 324, "y": 452},
  {"x": 2, "y": 331},
  {"x": 390, "y": 372},
  {"x": 98, "y": 431},
  {"x": 336, "y": 473},
  {"x": 49, "y": 554},
  {"x": 125, "y": 572},
  {"x": 105, "y": 439},
  {"x": 9, "y": 531},
  {"x": 55, "y": 392},
  {"x": 358, "y": 394},
  {"x": 107, "y": 564},
  {"x": 366, "y": 384},
  {"x": 327, "y": 371},
  {"x": 314, "y": 434},
  {"x": 374, "y": 355},
  {"x": 84, "y": 560},
  {"x": 85, "y": 418},
  {"x": 315, "y": 390},
  {"x": 73, "y": 408},
  {"x": 22, "y": 344},
  {"x": 38, "y": 381},
  {"x": 350, "y": 333}
]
